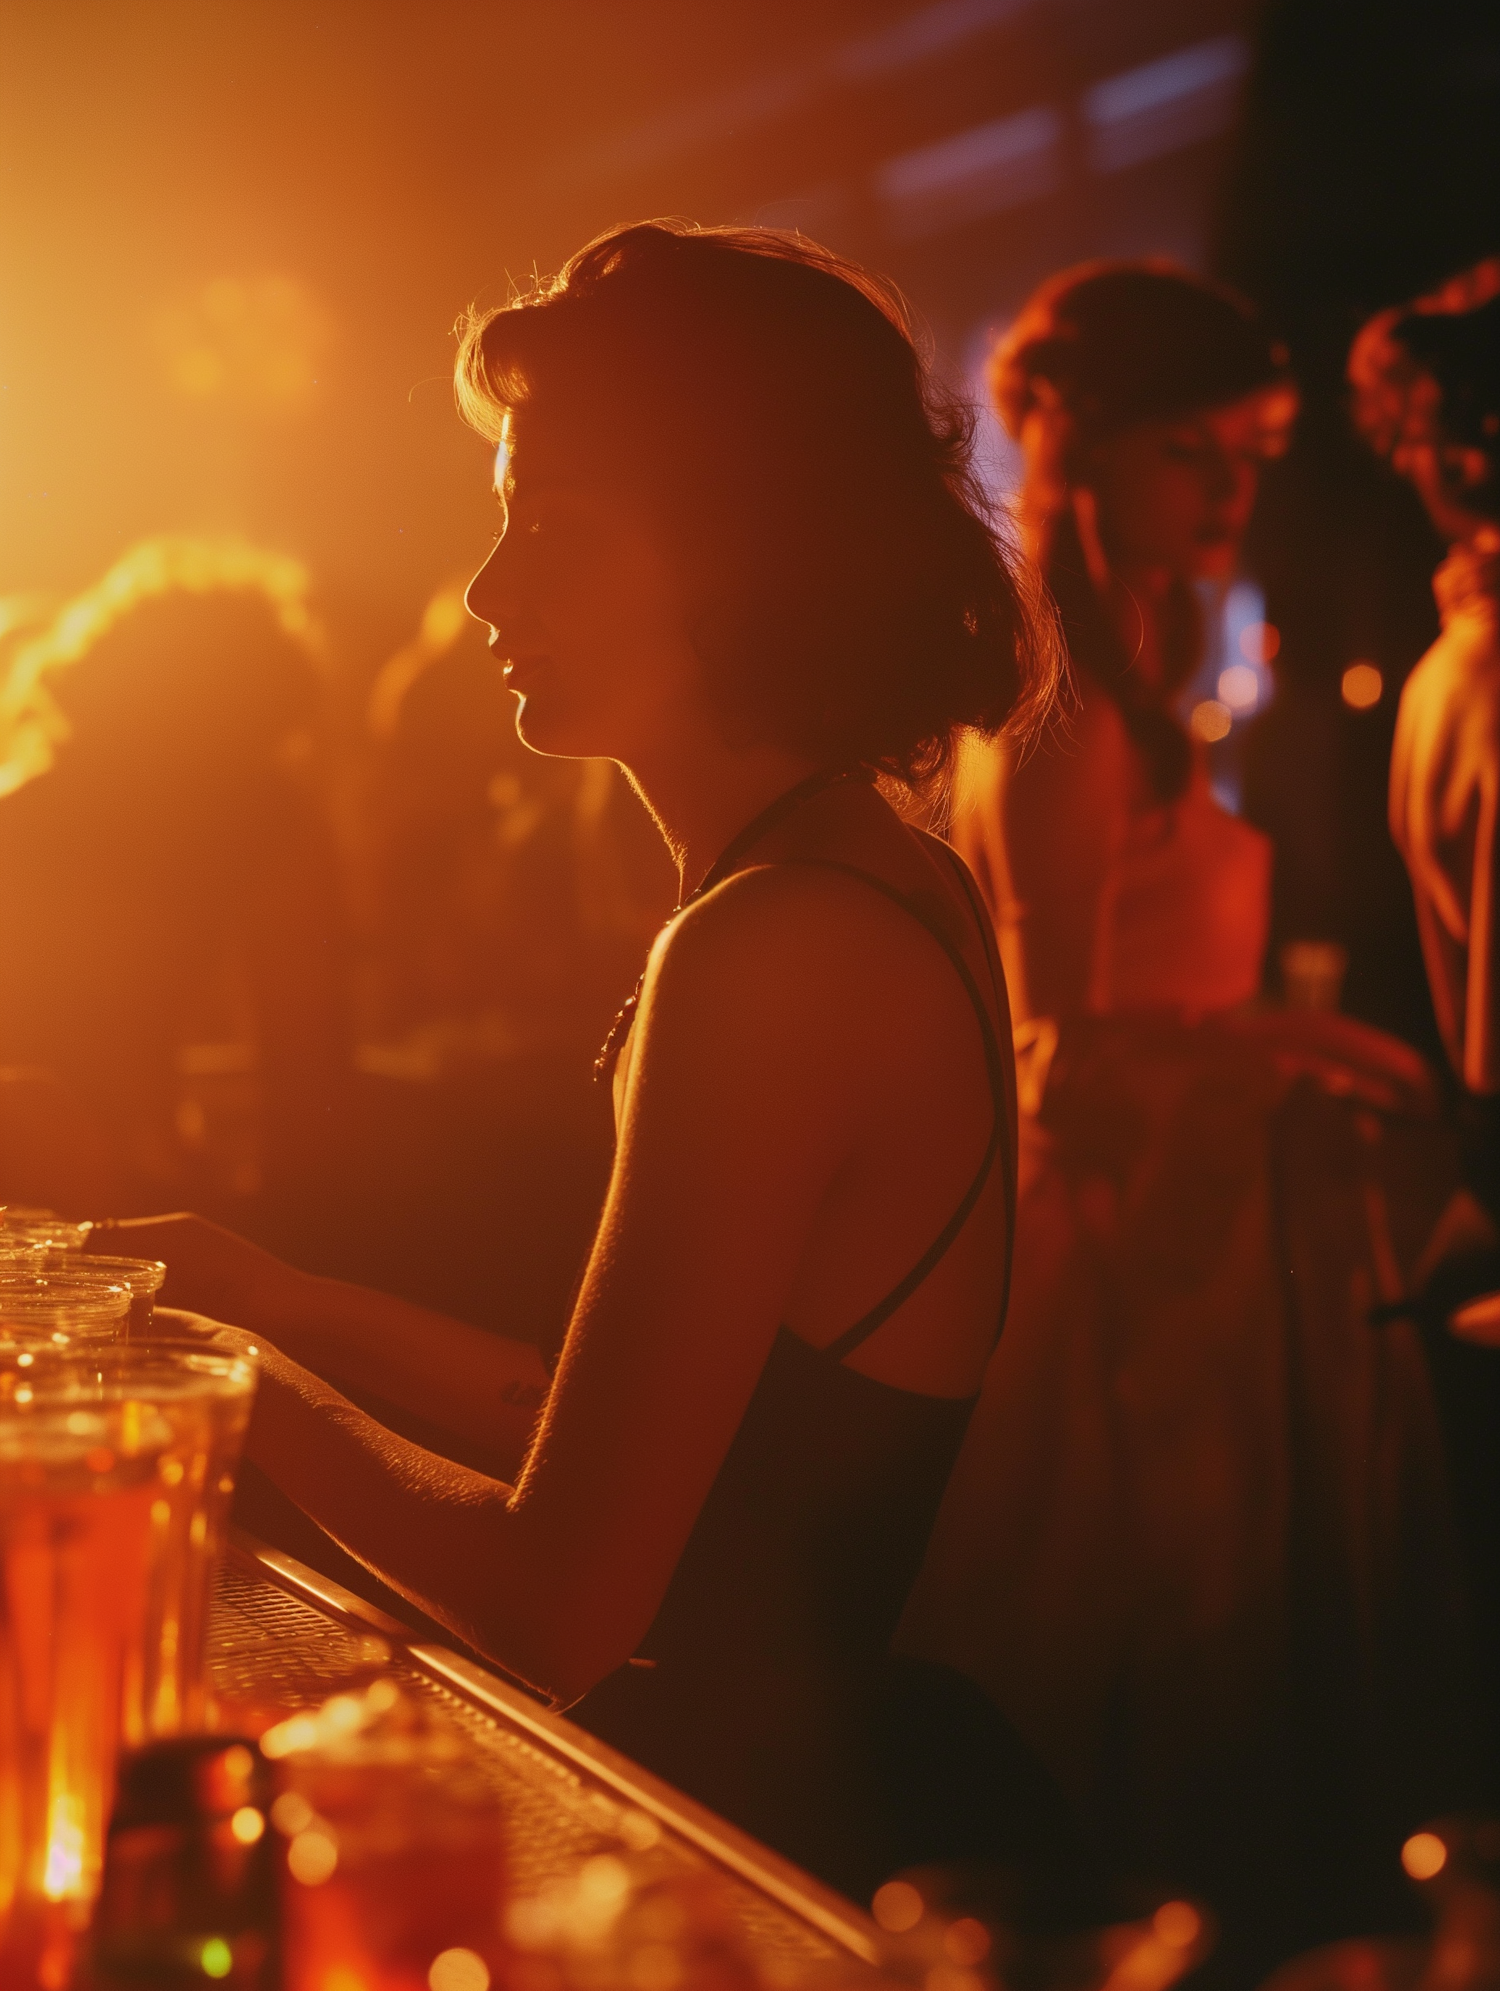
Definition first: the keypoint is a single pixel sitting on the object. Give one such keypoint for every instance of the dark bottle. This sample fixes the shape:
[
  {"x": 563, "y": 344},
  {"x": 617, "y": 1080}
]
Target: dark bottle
[{"x": 189, "y": 1895}]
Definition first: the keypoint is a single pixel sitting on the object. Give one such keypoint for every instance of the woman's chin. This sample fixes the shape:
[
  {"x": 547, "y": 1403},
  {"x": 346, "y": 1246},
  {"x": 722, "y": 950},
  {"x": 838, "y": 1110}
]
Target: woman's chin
[{"x": 549, "y": 732}]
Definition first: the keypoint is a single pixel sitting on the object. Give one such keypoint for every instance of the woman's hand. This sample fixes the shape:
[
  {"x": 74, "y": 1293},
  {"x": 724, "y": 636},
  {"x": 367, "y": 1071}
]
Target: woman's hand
[
  {"x": 209, "y": 1269},
  {"x": 178, "y": 1324}
]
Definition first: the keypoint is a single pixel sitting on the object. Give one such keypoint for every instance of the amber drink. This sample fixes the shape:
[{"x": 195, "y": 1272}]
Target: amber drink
[
  {"x": 204, "y": 1396},
  {"x": 78, "y": 1484},
  {"x": 392, "y": 1849}
]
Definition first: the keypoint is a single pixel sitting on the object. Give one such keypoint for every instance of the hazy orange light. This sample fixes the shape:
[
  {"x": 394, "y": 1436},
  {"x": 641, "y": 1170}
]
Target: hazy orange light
[
  {"x": 1211, "y": 720},
  {"x": 259, "y": 340},
  {"x": 1178, "y": 1924},
  {"x": 1424, "y": 1855},
  {"x": 897, "y": 1906},
  {"x": 967, "y": 1941},
  {"x": 1362, "y": 686},
  {"x": 444, "y": 620}
]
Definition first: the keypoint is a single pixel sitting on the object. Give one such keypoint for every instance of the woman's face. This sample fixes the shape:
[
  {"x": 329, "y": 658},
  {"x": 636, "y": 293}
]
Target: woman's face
[
  {"x": 1177, "y": 496},
  {"x": 587, "y": 611}
]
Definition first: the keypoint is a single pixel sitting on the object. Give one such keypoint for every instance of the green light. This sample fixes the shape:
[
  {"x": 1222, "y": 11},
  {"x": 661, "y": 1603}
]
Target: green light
[{"x": 216, "y": 1957}]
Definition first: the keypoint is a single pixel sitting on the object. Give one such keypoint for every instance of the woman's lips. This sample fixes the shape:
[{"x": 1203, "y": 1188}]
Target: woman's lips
[{"x": 521, "y": 672}]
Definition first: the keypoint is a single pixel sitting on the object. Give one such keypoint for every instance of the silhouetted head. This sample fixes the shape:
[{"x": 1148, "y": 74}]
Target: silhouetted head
[
  {"x": 1156, "y": 391},
  {"x": 188, "y": 688},
  {"x": 729, "y": 479},
  {"x": 1426, "y": 392}
]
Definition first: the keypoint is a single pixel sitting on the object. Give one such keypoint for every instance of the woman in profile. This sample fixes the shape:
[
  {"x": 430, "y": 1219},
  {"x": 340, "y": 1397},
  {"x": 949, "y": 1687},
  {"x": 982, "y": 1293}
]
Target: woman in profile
[
  {"x": 742, "y": 553},
  {"x": 1195, "y": 1546}
]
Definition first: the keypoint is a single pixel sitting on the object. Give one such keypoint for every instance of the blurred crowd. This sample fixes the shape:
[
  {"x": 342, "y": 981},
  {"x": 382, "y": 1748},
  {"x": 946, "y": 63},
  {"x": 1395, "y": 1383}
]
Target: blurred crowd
[{"x": 268, "y": 953}]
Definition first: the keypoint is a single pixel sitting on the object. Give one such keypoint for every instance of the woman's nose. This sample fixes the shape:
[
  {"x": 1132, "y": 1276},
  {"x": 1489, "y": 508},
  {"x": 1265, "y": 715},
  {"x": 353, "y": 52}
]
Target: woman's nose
[{"x": 482, "y": 596}]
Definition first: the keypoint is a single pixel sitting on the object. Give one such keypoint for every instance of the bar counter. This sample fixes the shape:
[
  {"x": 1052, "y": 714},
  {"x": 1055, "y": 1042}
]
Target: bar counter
[{"x": 284, "y": 1636}]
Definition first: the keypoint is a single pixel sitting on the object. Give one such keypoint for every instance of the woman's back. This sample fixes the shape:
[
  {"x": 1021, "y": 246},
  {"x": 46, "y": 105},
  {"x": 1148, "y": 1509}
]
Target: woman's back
[{"x": 765, "y": 1682}]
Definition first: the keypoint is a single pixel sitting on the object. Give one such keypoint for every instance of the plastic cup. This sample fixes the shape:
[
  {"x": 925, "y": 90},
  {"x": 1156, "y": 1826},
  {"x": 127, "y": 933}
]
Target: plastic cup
[
  {"x": 205, "y": 1394},
  {"x": 79, "y": 1479},
  {"x": 392, "y": 1848},
  {"x": 142, "y": 1278},
  {"x": 53, "y": 1309},
  {"x": 53, "y": 1233}
]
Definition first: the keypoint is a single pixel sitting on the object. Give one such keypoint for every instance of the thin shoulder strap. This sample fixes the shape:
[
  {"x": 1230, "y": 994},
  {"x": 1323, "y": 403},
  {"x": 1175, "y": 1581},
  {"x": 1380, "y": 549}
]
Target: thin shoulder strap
[{"x": 1000, "y": 1142}]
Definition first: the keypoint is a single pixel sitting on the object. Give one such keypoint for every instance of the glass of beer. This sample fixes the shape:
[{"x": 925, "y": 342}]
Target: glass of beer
[
  {"x": 205, "y": 1394},
  {"x": 79, "y": 1478},
  {"x": 392, "y": 1848},
  {"x": 116, "y": 1468}
]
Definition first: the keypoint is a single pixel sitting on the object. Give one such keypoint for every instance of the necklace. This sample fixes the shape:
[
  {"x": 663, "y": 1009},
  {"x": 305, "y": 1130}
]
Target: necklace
[{"x": 728, "y": 860}]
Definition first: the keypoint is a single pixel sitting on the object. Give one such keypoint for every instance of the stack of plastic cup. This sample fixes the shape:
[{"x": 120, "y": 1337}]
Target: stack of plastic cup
[
  {"x": 141, "y": 1277},
  {"x": 50, "y": 1308},
  {"x": 20, "y": 1229}
]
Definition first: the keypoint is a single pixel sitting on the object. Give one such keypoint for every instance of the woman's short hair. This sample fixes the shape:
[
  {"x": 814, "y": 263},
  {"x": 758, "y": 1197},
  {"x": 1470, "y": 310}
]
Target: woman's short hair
[
  {"x": 852, "y": 592},
  {"x": 1430, "y": 372}
]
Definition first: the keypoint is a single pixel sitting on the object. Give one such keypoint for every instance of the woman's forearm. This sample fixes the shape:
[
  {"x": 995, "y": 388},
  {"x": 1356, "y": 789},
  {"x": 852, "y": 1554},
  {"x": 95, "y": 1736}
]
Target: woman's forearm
[
  {"x": 441, "y": 1535},
  {"x": 485, "y": 1389},
  {"x": 482, "y": 1387}
]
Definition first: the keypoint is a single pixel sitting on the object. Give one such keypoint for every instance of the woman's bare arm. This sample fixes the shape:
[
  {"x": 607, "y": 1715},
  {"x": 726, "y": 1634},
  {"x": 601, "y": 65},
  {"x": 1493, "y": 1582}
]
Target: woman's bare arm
[
  {"x": 749, "y": 1087},
  {"x": 1062, "y": 813},
  {"x": 484, "y": 1388}
]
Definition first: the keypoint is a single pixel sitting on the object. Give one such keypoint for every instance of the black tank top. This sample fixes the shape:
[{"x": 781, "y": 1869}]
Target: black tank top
[{"x": 758, "y": 1688}]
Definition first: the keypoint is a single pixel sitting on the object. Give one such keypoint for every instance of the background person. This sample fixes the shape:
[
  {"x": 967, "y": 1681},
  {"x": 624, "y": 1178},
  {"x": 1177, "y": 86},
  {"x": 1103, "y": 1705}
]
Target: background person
[
  {"x": 1426, "y": 388},
  {"x": 170, "y": 881},
  {"x": 1197, "y": 1544}
]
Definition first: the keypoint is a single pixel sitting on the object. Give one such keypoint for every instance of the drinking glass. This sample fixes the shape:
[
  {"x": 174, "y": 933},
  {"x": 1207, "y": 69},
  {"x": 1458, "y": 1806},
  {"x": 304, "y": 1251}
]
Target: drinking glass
[
  {"x": 142, "y": 1278},
  {"x": 47, "y": 1309},
  {"x": 205, "y": 1395},
  {"x": 116, "y": 1469},
  {"x": 392, "y": 1848},
  {"x": 79, "y": 1481},
  {"x": 54, "y": 1233}
]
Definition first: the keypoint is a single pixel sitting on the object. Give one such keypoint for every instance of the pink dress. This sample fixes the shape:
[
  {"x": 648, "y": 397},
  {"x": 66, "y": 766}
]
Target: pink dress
[{"x": 1196, "y": 1546}]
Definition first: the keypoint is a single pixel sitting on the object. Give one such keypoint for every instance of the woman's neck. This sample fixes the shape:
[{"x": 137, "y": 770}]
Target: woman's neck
[
  {"x": 1137, "y": 598},
  {"x": 700, "y": 803}
]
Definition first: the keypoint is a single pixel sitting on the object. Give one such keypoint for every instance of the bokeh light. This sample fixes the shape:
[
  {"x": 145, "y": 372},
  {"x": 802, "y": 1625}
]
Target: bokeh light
[
  {"x": 312, "y": 1856},
  {"x": 1362, "y": 686},
  {"x": 216, "y": 1958},
  {"x": 1239, "y": 688},
  {"x": 459, "y": 1970},
  {"x": 966, "y": 1941},
  {"x": 1424, "y": 1855},
  {"x": 1260, "y": 642},
  {"x": 1211, "y": 720},
  {"x": 1177, "y": 1924},
  {"x": 897, "y": 1906}
]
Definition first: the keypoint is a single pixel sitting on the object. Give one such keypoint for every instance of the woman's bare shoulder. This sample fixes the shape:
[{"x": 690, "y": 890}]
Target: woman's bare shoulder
[{"x": 801, "y": 946}]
